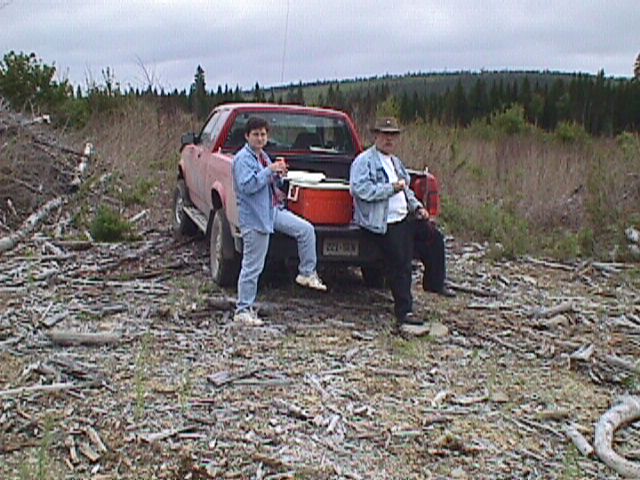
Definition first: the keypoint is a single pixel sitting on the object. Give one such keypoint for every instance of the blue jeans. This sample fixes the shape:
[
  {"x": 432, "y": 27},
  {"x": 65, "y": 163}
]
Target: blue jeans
[{"x": 254, "y": 252}]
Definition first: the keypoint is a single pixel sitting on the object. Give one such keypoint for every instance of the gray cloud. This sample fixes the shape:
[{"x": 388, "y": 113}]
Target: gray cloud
[{"x": 242, "y": 41}]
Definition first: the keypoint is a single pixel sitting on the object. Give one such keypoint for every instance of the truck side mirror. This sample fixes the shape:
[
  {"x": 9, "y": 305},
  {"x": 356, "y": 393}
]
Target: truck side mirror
[{"x": 188, "y": 139}]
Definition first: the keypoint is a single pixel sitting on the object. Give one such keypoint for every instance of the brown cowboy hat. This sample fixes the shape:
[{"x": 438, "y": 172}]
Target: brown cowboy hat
[{"x": 386, "y": 125}]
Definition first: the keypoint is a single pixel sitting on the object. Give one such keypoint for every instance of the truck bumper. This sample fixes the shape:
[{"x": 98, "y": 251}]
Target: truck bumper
[{"x": 335, "y": 245}]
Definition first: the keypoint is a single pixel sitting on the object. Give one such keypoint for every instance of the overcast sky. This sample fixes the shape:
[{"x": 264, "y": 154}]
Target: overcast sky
[{"x": 274, "y": 42}]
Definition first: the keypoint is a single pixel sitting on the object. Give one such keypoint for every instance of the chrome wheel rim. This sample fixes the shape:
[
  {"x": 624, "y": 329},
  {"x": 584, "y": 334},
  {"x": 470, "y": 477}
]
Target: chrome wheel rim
[
  {"x": 216, "y": 253},
  {"x": 179, "y": 208}
]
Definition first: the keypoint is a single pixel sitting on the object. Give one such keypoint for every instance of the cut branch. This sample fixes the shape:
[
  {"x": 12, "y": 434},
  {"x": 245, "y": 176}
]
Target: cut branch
[
  {"x": 75, "y": 338},
  {"x": 55, "y": 387},
  {"x": 30, "y": 224},
  {"x": 619, "y": 415}
]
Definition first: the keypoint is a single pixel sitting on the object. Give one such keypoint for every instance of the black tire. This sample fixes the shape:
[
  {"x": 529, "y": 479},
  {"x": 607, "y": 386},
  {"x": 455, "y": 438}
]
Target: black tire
[
  {"x": 223, "y": 258},
  {"x": 373, "y": 276},
  {"x": 182, "y": 223}
]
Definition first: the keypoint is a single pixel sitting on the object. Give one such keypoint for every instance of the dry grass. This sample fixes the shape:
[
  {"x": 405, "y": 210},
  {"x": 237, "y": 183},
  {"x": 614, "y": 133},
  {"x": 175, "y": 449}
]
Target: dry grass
[
  {"x": 530, "y": 189},
  {"x": 553, "y": 186},
  {"x": 139, "y": 145}
]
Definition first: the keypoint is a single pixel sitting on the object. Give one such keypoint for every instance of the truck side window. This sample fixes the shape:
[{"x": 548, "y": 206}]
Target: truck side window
[
  {"x": 217, "y": 128},
  {"x": 212, "y": 129},
  {"x": 206, "y": 137}
]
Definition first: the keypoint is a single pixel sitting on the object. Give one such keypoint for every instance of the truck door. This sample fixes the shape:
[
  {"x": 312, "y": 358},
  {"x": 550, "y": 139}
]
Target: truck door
[{"x": 199, "y": 188}]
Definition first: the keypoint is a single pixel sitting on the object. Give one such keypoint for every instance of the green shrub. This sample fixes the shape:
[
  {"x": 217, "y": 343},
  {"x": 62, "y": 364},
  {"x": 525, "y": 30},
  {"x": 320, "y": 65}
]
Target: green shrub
[
  {"x": 508, "y": 229},
  {"x": 601, "y": 202},
  {"x": 109, "y": 226},
  {"x": 139, "y": 193},
  {"x": 490, "y": 222},
  {"x": 629, "y": 143},
  {"x": 28, "y": 83},
  {"x": 570, "y": 132},
  {"x": 510, "y": 122},
  {"x": 586, "y": 242},
  {"x": 565, "y": 246},
  {"x": 481, "y": 129}
]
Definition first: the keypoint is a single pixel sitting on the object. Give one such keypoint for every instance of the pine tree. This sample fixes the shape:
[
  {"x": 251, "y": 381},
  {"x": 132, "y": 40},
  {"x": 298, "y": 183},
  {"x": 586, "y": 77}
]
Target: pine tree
[
  {"x": 198, "y": 94},
  {"x": 258, "y": 96},
  {"x": 300, "y": 94},
  {"x": 457, "y": 110},
  {"x": 478, "y": 100},
  {"x": 27, "y": 82},
  {"x": 406, "y": 110}
]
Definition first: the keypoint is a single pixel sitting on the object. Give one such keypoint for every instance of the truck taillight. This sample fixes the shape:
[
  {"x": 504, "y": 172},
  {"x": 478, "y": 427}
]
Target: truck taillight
[
  {"x": 432, "y": 197},
  {"x": 427, "y": 189}
]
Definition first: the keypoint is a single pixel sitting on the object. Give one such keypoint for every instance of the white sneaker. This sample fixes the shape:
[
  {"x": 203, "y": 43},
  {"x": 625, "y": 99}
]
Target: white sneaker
[
  {"x": 248, "y": 317},
  {"x": 311, "y": 281}
]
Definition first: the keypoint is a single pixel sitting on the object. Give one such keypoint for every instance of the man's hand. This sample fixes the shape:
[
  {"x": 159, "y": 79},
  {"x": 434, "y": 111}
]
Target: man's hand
[
  {"x": 422, "y": 214},
  {"x": 399, "y": 185}
]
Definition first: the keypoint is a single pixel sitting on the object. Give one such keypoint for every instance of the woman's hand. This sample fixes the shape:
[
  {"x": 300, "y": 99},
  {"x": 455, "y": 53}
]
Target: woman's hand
[{"x": 279, "y": 166}]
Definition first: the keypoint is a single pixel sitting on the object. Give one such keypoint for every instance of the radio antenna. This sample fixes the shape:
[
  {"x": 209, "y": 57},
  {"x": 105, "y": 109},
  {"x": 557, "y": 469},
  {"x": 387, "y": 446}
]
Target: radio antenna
[{"x": 284, "y": 43}]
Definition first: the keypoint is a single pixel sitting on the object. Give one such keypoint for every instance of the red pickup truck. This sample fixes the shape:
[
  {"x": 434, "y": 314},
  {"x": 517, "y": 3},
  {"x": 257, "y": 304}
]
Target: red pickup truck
[{"x": 316, "y": 140}]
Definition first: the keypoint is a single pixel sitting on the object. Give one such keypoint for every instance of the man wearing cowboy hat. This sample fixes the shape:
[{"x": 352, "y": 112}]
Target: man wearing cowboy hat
[{"x": 385, "y": 208}]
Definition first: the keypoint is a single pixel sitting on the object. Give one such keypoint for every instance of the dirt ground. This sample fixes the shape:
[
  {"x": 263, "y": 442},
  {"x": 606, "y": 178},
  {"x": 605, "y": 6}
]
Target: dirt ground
[
  {"x": 122, "y": 361},
  {"x": 326, "y": 389}
]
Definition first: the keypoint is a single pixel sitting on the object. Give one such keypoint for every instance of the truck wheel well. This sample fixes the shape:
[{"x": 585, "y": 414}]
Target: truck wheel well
[{"x": 216, "y": 201}]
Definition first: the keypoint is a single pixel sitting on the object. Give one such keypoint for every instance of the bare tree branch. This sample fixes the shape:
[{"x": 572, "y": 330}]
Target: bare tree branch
[{"x": 150, "y": 77}]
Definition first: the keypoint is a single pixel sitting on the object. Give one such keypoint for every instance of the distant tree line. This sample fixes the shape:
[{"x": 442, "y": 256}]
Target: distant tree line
[{"x": 602, "y": 106}]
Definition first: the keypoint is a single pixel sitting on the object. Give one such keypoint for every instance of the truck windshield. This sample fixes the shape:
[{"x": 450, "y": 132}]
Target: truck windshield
[{"x": 297, "y": 132}]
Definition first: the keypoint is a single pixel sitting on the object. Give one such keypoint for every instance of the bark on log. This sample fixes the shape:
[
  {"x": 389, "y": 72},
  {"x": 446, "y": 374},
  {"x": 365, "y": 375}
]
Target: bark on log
[
  {"x": 619, "y": 415},
  {"x": 553, "y": 311},
  {"x": 578, "y": 440},
  {"x": 55, "y": 387},
  {"x": 10, "y": 241},
  {"x": 474, "y": 291},
  {"x": 75, "y": 338}
]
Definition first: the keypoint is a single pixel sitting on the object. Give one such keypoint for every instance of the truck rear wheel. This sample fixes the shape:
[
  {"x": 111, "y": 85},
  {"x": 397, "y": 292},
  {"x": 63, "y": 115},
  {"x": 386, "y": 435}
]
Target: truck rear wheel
[
  {"x": 373, "y": 276},
  {"x": 182, "y": 223},
  {"x": 224, "y": 260}
]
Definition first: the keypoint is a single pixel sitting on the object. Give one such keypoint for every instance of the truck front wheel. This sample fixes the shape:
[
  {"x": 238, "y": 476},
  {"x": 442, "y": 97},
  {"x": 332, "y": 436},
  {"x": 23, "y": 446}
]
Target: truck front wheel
[
  {"x": 224, "y": 260},
  {"x": 182, "y": 223}
]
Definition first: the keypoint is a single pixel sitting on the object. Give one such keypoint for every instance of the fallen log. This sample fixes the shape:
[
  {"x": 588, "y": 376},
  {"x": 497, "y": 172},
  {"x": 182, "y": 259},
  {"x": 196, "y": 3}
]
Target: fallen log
[
  {"x": 625, "y": 412},
  {"x": 10, "y": 241},
  {"x": 553, "y": 311},
  {"x": 66, "y": 338},
  {"x": 545, "y": 263},
  {"x": 54, "y": 387},
  {"x": 164, "y": 434},
  {"x": 472, "y": 290},
  {"x": 581, "y": 443},
  {"x": 628, "y": 365}
]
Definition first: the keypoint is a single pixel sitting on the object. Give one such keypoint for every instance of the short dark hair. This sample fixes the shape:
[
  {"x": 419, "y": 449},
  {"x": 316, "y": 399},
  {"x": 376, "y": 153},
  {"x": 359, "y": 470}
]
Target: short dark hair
[{"x": 255, "y": 123}]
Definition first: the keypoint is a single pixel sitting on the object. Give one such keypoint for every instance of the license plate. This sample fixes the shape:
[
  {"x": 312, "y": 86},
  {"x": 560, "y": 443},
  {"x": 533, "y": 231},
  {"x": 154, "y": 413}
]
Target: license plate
[{"x": 333, "y": 247}]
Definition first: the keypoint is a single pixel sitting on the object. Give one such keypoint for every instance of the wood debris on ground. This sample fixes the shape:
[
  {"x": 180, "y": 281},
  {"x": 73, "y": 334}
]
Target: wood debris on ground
[{"x": 122, "y": 361}]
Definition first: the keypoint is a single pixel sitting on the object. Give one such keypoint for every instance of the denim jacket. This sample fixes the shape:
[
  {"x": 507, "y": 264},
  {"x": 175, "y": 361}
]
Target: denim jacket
[
  {"x": 251, "y": 181},
  {"x": 371, "y": 190}
]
